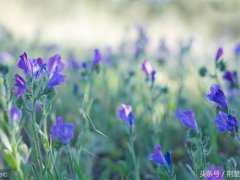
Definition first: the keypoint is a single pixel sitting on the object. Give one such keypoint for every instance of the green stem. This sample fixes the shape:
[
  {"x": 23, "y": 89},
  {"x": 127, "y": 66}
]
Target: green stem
[
  {"x": 132, "y": 151},
  {"x": 194, "y": 163},
  {"x": 70, "y": 162},
  {"x": 33, "y": 114}
]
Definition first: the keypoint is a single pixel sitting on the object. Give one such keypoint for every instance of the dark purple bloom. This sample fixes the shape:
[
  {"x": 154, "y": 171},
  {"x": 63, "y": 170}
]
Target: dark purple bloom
[
  {"x": 167, "y": 157},
  {"x": 219, "y": 54},
  {"x": 157, "y": 156},
  {"x": 216, "y": 95},
  {"x": 15, "y": 115},
  {"x": 63, "y": 131},
  {"x": 25, "y": 64},
  {"x": 125, "y": 113},
  {"x": 226, "y": 122},
  {"x": 237, "y": 50},
  {"x": 214, "y": 173},
  {"x": 20, "y": 85},
  {"x": 187, "y": 118},
  {"x": 231, "y": 82},
  {"x": 97, "y": 57}
]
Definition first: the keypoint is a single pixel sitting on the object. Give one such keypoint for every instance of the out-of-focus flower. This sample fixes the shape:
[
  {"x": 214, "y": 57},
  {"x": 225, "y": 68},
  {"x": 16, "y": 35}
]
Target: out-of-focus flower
[
  {"x": 20, "y": 85},
  {"x": 15, "y": 115},
  {"x": 141, "y": 42},
  {"x": 216, "y": 173},
  {"x": 148, "y": 70},
  {"x": 237, "y": 50},
  {"x": 63, "y": 131},
  {"x": 226, "y": 122},
  {"x": 157, "y": 156},
  {"x": 231, "y": 82},
  {"x": 187, "y": 118},
  {"x": 125, "y": 113},
  {"x": 216, "y": 95},
  {"x": 5, "y": 57},
  {"x": 97, "y": 57},
  {"x": 219, "y": 54}
]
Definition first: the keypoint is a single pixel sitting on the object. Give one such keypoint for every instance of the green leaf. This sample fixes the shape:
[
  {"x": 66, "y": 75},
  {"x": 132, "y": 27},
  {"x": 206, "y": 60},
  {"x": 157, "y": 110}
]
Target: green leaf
[
  {"x": 11, "y": 160},
  {"x": 5, "y": 140}
]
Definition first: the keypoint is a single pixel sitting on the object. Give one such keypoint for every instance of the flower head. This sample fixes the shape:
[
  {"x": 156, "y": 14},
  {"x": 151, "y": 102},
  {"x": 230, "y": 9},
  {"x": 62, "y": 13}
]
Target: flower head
[
  {"x": 97, "y": 57},
  {"x": 226, "y": 122},
  {"x": 63, "y": 131},
  {"x": 125, "y": 113},
  {"x": 25, "y": 64},
  {"x": 20, "y": 85},
  {"x": 54, "y": 64},
  {"x": 56, "y": 79},
  {"x": 219, "y": 54},
  {"x": 217, "y": 174},
  {"x": 216, "y": 95},
  {"x": 15, "y": 115},
  {"x": 187, "y": 118},
  {"x": 157, "y": 156}
]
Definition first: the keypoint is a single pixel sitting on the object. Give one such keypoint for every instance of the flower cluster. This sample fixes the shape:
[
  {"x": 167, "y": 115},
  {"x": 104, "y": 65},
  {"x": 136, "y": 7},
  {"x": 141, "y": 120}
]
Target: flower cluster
[{"x": 36, "y": 68}]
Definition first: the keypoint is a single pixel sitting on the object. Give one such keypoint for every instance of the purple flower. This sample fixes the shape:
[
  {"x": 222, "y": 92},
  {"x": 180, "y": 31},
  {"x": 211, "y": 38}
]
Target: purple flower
[
  {"x": 56, "y": 79},
  {"x": 20, "y": 85},
  {"x": 237, "y": 50},
  {"x": 55, "y": 66},
  {"x": 187, "y": 118},
  {"x": 231, "y": 82},
  {"x": 219, "y": 54},
  {"x": 15, "y": 115},
  {"x": 63, "y": 131},
  {"x": 226, "y": 122},
  {"x": 157, "y": 156},
  {"x": 147, "y": 68},
  {"x": 25, "y": 63},
  {"x": 97, "y": 57},
  {"x": 125, "y": 113},
  {"x": 215, "y": 173},
  {"x": 216, "y": 95}
]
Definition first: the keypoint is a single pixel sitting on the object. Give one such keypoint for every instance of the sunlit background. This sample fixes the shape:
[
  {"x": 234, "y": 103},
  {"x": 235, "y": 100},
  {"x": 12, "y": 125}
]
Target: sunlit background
[{"x": 104, "y": 23}]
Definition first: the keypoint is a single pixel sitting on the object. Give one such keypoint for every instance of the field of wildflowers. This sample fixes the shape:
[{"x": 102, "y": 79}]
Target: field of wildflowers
[{"x": 130, "y": 111}]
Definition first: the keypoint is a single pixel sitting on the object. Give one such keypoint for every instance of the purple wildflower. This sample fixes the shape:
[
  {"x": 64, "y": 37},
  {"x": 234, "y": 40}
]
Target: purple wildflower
[
  {"x": 237, "y": 50},
  {"x": 231, "y": 82},
  {"x": 226, "y": 122},
  {"x": 216, "y": 173},
  {"x": 219, "y": 54},
  {"x": 97, "y": 57},
  {"x": 25, "y": 64},
  {"x": 55, "y": 66},
  {"x": 20, "y": 85},
  {"x": 187, "y": 118},
  {"x": 63, "y": 131},
  {"x": 56, "y": 79},
  {"x": 15, "y": 115},
  {"x": 216, "y": 95},
  {"x": 125, "y": 113},
  {"x": 157, "y": 156}
]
